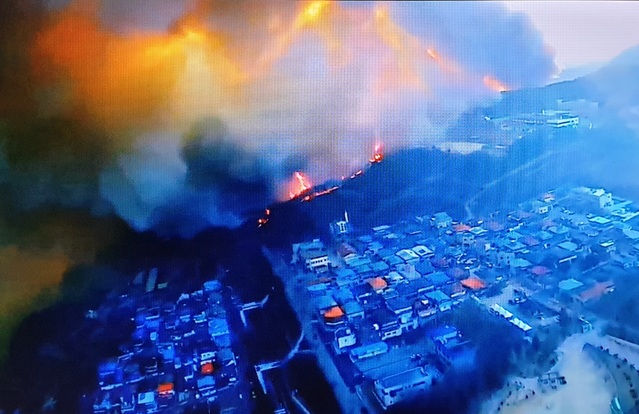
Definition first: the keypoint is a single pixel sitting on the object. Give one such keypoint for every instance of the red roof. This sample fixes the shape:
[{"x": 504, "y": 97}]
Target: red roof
[
  {"x": 165, "y": 388},
  {"x": 597, "y": 291},
  {"x": 334, "y": 313},
  {"x": 473, "y": 283},
  {"x": 345, "y": 249},
  {"x": 540, "y": 270},
  {"x": 377, "y": 283},
  {"x": 461, "y": 227},
  {"x": 207, "y": 368}
]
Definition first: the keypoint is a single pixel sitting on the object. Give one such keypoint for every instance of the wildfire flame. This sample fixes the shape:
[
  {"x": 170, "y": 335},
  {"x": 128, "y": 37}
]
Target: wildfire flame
[
  {"x": 378, "y": 154},
  {"x": 315, "y": 16},
  {"x": 310, "y": 14},
  {"x": 404, "y": 46},
  {"x": 298, "y": 185},
  {"x": 495, "y": 84},
  {"x": 120, "y": 80},
  {"x": 444, "y": 64},
  {"x": 433, "y": 54}
]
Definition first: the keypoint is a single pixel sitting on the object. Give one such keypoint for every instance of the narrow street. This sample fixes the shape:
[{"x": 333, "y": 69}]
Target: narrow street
[{"x": 349, "y": 401}]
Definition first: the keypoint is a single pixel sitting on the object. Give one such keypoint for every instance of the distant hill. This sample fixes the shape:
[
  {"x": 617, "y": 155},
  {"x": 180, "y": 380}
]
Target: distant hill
[
  {"x": 615, "y": 86},
  {"x": 575, "y": 72}
]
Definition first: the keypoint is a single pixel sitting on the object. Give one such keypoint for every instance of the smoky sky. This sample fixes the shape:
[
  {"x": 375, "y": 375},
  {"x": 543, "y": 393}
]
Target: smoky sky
[{"x": 180, "y": 115}]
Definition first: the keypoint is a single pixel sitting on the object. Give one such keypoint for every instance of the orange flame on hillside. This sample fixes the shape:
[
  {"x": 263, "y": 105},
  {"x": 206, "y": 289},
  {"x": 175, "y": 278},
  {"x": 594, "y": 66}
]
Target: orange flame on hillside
[
  {"x": 495, "y": 84},
  {"x": 298, "y": 185},
  {"x": 378, "y": 154}
]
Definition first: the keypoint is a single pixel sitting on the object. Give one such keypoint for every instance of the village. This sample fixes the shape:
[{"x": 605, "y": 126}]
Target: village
[
  {"x": 381, "y": 308},
  {"x": 178, "y": 355},
  {"x": 383, "y": 302}
]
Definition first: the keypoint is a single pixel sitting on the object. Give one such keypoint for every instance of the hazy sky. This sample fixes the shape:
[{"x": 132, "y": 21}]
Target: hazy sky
[{"x": 583, "y": 32}]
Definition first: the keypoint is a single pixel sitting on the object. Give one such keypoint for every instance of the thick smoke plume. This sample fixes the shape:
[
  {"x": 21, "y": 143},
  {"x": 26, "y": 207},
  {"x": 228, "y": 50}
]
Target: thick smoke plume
[{"x": 173, "y": 114}]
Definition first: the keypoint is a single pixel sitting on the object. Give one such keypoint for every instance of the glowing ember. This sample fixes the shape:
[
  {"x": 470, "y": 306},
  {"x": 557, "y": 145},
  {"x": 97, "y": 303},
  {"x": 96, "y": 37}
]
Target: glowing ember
[
  {"x": 432, "y": 54},
  {"x": 298, "y": 185},
  {"x": 378, "y": 155},
  {"x": 264, "y": 219},
  {"x": 310, "y": 14},
  {"x": 494, "y": 84}
]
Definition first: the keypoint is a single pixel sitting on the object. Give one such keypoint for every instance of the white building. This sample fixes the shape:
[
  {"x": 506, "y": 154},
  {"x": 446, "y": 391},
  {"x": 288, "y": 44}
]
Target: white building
[
  {"x": 408, "y": 256},
  {"x": 341, "y": 227},
  {"x": 562, "y": 122},
  {"x": 441, "y": 220},
  {"x": 344, "y": 338},
  {"x": 393, "y": 388},
  {"x": 315, "y": 260}
]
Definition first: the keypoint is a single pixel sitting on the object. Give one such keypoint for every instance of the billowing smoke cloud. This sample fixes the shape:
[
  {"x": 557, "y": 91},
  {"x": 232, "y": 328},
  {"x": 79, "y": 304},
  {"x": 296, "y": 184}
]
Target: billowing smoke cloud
[{"x": 176, "y": 113}]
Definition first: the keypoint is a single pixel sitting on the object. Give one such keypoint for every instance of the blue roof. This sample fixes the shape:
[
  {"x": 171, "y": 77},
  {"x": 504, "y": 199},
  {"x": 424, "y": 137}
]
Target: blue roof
[
  {"x": 376, "y": 347},
  {"x": 345, "y": 273},
  {"x": 442, "y": 216},
  {"x": 437, "y": 295},
  {"x": 379, "y": 267},
  {"x": 352, "y": 307},
  {"x": 438, "y": 278},
  {"x": 570, "y": 284}
]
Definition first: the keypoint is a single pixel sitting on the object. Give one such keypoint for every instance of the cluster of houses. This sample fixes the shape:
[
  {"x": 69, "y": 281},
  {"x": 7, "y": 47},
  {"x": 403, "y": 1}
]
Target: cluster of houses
[
  {"x": 178, "y": 354},
  {"x": 525, "y": 266}
]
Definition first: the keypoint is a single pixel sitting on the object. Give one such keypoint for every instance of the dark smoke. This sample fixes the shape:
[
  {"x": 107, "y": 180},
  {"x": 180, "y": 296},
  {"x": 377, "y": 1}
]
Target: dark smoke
[
  {"x": 485, "y": 37},
  {"x": 333, "y": 88}
]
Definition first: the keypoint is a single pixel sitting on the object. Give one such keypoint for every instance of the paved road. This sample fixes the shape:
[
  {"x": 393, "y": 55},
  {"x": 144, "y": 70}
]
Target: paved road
[{"x": 297, "y": 297}]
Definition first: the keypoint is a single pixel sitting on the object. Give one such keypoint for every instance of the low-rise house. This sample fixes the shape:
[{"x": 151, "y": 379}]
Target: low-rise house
[
  {"x": 504, "y": 258},
  {"x": 439, "y": 279},
  {"x": 443, "y": 302},
  {"x": 563, "y": 256},
  {"x": 353, "y": 311},
  {"x": 473, "y": 283},
  {"x": 380, "y": 268},
  {"x": 608, "y": 245},
  {"x": 569, "y": 285},
  {"x": 146, "y": 401},
  {"x": 456, "y": 292},
  {"x": 408, "y": 271},
  {"x": 393, "y": 261},
  {"x": 344, "y": 339},
  {"x": 569, "y": 246},
  {"x": 408, "y": 256},
  {"x": 425, "y": 308},
  {"x": 368, "y": 351},
  {"x": 393, "y": 388},
  {"x": 423, "y": 251},
  {"x": 441, "y": 220},
  {"x": 452, "y": 348},
  {"x": 334, "y": 316},
  {"x": 625, "y": 261},
  {"x": 315, "y": 261},
  {"x": 206, "y": 386}
]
